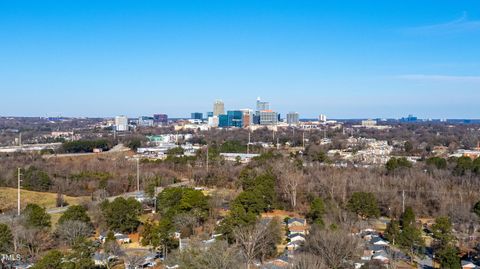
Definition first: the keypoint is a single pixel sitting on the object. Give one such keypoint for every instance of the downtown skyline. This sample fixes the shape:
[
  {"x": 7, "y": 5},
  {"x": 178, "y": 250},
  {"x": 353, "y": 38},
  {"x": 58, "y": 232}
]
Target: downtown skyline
[{"x": 344, "y": 60}]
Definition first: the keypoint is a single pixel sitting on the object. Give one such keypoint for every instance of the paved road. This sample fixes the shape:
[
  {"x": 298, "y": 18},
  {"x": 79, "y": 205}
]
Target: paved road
[{"x": 115, "y": 149}]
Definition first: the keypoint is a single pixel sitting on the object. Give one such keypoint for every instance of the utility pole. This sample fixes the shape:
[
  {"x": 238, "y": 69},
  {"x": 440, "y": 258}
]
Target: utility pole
[
  {"x": 207, "y": 157},
  {"x": 278, "y": 144},
  {"x": 18, "y": 192},
  {"x": 403, "y": 201},
  {"x": 138, "y": 175},
  {"x": 248, "y": 145},
  {"x": 303, "y": 139}
]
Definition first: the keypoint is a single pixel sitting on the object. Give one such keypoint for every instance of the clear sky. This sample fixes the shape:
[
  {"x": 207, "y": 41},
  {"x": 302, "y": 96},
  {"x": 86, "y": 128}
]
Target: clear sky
[{"x": 345, "y": 59}]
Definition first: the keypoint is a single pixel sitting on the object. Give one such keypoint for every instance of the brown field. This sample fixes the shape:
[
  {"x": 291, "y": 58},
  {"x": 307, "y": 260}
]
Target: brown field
[{"x": 8, "y": 199}]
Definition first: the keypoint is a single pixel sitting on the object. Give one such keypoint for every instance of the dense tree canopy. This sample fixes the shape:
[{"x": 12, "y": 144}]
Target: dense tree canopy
[
  {"x": 122, "y": 214},
  {"x": 397, "y": 163},
  {"x": 75, "y": 213},
  {"x": 439, "y": 163},
  {"x": 84, "y": 146},
  {"x": 35, "y": 179},
  {"x": 159, "y": 234},
  {"x": 6, "y": 238},
  {"x": 317, "y": 210},
  {"x": 36, "y": 216},
  {"x": 174, "y": 201},
  {"x": 51, "y": 260},
  {"x": 364, "y": 204}
]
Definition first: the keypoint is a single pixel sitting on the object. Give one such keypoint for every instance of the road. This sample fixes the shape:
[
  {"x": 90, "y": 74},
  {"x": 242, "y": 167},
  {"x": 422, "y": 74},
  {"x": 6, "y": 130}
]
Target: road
[{"x": 116, "y": 149}]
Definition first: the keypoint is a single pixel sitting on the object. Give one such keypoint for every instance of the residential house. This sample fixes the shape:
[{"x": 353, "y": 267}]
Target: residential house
[
  {"x": 379, "y": 241},
  {"x": 297, "y": 230},
  {"x": 121, "y": 238},
  {"x": 468, "y": 265},
  {"x": 295, "y": 237},
  {"x": 279, "y": 263},
  {"x": 383, "y": 257},
  {"x": 100, "y": 259},
  {"x": 21, "y": 265},
  {"x": 291, "y": 246},
  {"x": 296, "y": 222},
  {"x": 367, "y": 255}
]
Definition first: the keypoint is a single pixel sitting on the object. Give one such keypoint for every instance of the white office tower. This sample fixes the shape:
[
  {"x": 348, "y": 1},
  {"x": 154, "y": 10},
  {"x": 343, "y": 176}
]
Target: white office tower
[
  {"x": 121, "y": 123},
  {"x": 293, "y": 118},
  {"x": 218, "y": 108},
  {"x": 322, "y": 118},
  {"x": 213, "y": 122},
  {"x": 262, "y": 105}
]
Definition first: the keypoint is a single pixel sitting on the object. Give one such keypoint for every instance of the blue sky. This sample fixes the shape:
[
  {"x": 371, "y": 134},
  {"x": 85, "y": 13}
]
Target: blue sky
[{"x": 345, "y": 59}]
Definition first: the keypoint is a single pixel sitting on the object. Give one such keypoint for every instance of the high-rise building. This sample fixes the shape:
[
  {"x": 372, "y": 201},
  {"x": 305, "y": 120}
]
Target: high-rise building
[
  {"x": 410, "y": 118},
  {"x": 268, "y": 117},
  {"x": 209, "y": 114},
  {"x": 293, "y": 118},
  {"x": 262, "y": 105},
  {"x": 121, "y": 123},
  {"x": 247, "y": 117},
  {"x": 145, "y": 121},
  {"x": 197, "y": 116},
  {"x": 235, "y": 118},
  {"x": 218, "y": 108},
  {"x": 322, "y": 118},
  {"x": 213, "y": 121},
  {"x": 223, "y": 120},
  {"x": 160, "y": 119}
]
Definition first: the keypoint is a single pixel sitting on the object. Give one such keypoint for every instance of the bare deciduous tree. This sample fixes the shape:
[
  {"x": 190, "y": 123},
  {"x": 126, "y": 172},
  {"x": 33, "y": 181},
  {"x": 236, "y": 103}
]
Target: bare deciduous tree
[
  {"x": 198, "y": 255},
  {"x": 34, "y": 240},
  {"x": 112, "y": 251},
  {"x": 336, "y": 247},
  {"x": 71, "y": 230},
  {"x": 133, "y": 261},
  {"x": 251, "y": 241},
  {"x": 185, "y": 222},
  {"x": 308, "y": 261}
]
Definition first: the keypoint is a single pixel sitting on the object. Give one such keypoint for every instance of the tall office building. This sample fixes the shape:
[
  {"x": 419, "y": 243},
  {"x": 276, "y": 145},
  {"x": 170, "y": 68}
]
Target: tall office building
[
  {"x": 197, "y": 116},
  {"x": 235, "y": 118},
  {"x": 262, "y": 105},
  {"x": 293, "y": 118},
  {"x": 121, "y": 123},
  {"x": 223, "y": 120},
  {"x": 213, "y": 121},
  {"x": 160, "y": 119},
  {"x": 268, "y": 117},
  {"x": 145, "y": 121},
  {"x": 247, "y": 117},
  {"x": 322, "y": 118},
  {"x": 218, "y": 108}
]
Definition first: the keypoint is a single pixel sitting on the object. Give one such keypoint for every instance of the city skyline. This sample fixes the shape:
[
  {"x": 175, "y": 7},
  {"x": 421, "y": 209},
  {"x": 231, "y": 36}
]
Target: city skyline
[{"x": 344, "y": 60}]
